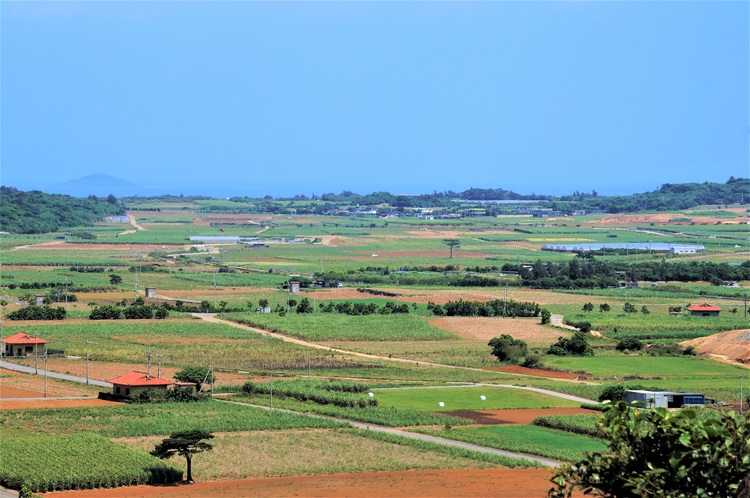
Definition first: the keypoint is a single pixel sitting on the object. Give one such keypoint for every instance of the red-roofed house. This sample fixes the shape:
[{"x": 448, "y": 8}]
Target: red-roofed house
[
  {"x": 704, "y": 309},
  {"x": 23, "y": 344},
  {"x": 135, "y": 382}
]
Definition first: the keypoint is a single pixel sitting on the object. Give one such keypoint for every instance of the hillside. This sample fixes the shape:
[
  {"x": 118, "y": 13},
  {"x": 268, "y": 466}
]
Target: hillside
[{"x": 37, "y": 212}]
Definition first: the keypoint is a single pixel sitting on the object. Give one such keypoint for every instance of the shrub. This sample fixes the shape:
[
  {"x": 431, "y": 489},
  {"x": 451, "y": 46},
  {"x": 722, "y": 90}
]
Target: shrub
[
  {"x": 629, "y": 344},
  {"x": 576, "y": 346},
  {"x": 33, "y": 312},
  {"x": 508, "y": 349},
  {"x": 105, "y": 312}
]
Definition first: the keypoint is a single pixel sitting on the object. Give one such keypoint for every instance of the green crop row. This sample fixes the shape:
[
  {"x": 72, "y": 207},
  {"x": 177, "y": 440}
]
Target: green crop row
[
  {"x": 577, "y": 424},
  {"x": 326, "y": 327},
  {"x": 320, "y": 392},
  {"x": 387, "y": 416},
  {"x": 146, "y": 420},
  {"x": 84, "y": 461}
]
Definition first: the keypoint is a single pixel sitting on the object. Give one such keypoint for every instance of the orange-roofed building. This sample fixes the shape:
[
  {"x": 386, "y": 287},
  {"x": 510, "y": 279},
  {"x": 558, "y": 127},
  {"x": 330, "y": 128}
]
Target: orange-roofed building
[
  {"x": 23, "y": 344},
  {"x": 134, "y": 382},
  {"x": 704, "y": 309}
]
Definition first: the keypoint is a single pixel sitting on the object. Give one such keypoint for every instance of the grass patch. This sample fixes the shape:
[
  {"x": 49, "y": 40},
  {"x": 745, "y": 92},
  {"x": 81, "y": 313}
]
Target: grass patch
[
  {"x": 326, "y": 327},
  {"x": 314, "y": 452},
  {"x": 578, "y": 424},
  {"x": 380, "y": 415},
  {"x": 525, "y": 439},
  {"x": 676, "y": 368},
  {"x": 467, "y": 398}
]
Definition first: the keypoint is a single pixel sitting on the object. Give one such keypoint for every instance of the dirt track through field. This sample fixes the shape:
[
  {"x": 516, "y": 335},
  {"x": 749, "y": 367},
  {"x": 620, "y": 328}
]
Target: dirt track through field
[{"x": 213, "y": 319}]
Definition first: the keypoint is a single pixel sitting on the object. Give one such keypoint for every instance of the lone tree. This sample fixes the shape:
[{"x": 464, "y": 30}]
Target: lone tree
[
  {"x": 184, "y": 443},
  {"x": 199, "y": 375},
  {"x": 451, "y": 243},
  {"x": 115, "y": 279}
]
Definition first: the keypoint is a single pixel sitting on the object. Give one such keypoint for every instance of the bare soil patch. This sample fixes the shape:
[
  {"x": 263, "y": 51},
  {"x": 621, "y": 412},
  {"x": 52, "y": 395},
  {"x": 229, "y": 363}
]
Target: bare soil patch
[
  {"x": 665, "y": 219},
  {"x": 522, "y": 416},
  {"x": 21, "y": 385},
  {"x": 37, "y": 404},
  {"x": 734, "y": 345},
  {"x": 416, "y": 254},
  {"x": 510, "y": 483},
  {"x": 517, "y": 369},
  {"x": 484, "y": 329}
]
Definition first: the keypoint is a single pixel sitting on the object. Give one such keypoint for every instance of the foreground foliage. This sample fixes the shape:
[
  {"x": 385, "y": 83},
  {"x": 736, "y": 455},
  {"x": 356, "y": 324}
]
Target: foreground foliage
[
  {"x": 662, "y": 453},
  {"x": 84, "y": 461}
]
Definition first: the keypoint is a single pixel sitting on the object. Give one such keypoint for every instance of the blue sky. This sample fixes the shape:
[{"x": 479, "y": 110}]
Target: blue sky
[{"x": 228, "y": 98}]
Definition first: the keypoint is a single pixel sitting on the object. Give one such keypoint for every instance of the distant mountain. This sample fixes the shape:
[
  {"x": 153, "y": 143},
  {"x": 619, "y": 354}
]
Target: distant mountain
[{"x": 99, "y": 185}]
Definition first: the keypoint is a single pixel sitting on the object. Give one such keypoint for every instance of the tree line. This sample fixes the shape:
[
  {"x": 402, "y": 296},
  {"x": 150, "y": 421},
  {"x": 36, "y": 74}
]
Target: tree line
[{"x": 37, "y": 212}]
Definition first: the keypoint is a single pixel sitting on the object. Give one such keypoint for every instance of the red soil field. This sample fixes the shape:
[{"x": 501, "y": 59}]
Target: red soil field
[
  {"x": 509, "y": 483},
  {"x": 517, "y": 369},
  {"x": 53, "y": 403}
]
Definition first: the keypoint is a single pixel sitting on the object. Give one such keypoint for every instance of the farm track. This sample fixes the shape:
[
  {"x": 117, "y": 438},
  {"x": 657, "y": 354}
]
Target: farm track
[
  {"x": 423, "y": 437},
  {"x": 209, "y": 317}
]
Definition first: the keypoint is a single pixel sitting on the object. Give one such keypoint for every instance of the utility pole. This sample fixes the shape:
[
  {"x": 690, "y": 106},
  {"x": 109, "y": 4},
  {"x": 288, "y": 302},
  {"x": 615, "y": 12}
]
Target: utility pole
[
  {"x": 271, "y": 390},
  {"x": 740, "y": 394},
  {"x": 45, "y": 373},
  {"x": 36, "y": 357},
  {"x": 148, "y": 357},
  {"x": 87, "y": 360},
  {"x": 158, "y": 368}
]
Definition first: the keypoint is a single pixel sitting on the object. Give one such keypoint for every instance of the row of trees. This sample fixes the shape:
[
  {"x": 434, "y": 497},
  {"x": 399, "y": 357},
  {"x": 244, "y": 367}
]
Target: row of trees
[
  {"x": 591, "y": 273},
  {"x": 496, "y": 307}
]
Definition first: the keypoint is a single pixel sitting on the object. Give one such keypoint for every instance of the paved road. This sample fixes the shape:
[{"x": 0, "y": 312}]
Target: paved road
[
  {"x": 54, "y": 375},
  {"x": 423, "y": 437}
]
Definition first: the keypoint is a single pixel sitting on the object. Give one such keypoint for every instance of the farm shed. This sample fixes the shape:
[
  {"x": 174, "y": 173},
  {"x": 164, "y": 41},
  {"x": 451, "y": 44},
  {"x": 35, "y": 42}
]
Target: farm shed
[
  {"x": 150, "y": 291},
  {"x": 135, "y": 382},
  {"x": 704, "y": 309},
  {"x": 23, "y": 344},
  {"x": 294, "y": 286},
  {"x": 665, "y": 399},
  {"x": 39, "y": 299}
]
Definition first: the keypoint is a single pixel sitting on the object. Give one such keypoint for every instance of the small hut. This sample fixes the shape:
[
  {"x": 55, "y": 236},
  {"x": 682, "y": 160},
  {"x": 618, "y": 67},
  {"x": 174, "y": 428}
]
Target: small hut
[
  {"x": 23, "y": 344},
  {"x": 134, "y": 382},
  {"x": 704, "y": 309}
]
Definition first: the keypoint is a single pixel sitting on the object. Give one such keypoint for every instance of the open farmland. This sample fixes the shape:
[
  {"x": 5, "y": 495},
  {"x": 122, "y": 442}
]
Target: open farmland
[{"x": 402, "y": 261}]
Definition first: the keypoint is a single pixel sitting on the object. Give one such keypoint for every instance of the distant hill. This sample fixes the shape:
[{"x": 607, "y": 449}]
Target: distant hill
[
  {"x": 37, "y": 212},
  {"x": 99, "y": 185}
]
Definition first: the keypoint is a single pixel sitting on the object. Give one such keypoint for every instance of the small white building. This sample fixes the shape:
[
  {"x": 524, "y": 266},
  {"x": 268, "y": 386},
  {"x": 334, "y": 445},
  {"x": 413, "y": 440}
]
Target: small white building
[
  {"x": 150, "y": 291},
  {"x": 664, "y": 399}
]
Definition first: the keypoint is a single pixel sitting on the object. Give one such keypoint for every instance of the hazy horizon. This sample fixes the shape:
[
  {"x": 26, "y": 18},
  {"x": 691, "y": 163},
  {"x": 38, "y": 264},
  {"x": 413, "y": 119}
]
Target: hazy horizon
[{"x": 280, "y": 98}]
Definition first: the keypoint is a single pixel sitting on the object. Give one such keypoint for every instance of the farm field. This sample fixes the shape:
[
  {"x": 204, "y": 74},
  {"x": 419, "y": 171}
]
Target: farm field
[{"x": 359, "y": 261}]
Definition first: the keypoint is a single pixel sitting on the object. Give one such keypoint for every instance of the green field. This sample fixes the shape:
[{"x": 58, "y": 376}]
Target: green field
[
  {"x": 328, "y": 327},
  {"x": 466, "y": 398},
  {"x": 525, "y": 439},
  {"x": 161, "y": 419},
  {"x": 81, "y": 461}
]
